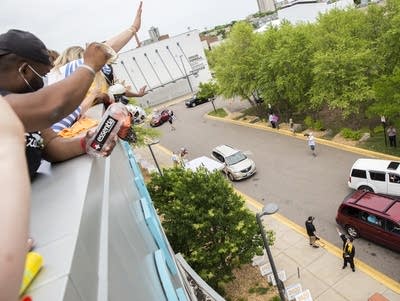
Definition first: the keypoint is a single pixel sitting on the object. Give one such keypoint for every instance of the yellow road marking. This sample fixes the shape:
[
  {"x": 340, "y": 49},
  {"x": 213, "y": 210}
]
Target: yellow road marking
[
  {"x": 370, "y": 271},
  {"x": 348, "y": 148},
  {"x": 378, "y": 276}
]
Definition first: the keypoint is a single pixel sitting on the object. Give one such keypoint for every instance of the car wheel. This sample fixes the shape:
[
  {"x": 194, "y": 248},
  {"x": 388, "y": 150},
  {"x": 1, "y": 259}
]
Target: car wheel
[
  {"x": 365, "y": 188},
  {"x": 352, "y": 231},
  {"x": 230, "y": 176},
  {"x": 193, "y": 104}
]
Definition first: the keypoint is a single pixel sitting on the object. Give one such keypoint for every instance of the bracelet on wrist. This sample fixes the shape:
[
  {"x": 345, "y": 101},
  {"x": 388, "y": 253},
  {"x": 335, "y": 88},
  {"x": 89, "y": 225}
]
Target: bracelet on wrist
[{"x": 87, "y": 67}]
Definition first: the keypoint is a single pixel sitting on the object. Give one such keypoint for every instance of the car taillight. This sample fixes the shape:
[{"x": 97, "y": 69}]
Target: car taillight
[{"x": 349, "y": 179}]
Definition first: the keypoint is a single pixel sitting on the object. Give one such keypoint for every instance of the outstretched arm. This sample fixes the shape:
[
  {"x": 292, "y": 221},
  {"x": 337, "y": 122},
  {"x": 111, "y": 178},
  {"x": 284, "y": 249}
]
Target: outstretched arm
[
  {"x": 14, "y": 203},
  {"x": 39, "y": 110},
  {"x": 141, "y": 92},
  {"x": 119, "y": 41}
]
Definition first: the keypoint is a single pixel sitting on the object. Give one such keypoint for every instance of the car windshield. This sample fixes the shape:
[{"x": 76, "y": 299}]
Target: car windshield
[{"x": 235, "y": 158}]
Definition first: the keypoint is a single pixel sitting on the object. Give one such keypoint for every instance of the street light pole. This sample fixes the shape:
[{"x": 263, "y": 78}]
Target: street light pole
[
  {"x": 154, "y": 157},
  {"x": 272, "y": 209},
  {"x": 187, "y": 76},
  {"x": 383, "y": 121}
]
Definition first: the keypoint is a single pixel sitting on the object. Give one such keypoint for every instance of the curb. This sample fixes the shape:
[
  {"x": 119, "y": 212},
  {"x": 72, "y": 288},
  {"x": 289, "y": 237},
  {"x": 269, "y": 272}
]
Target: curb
[
  {"x": 348, "y": 148},
  {"x": 378, "y": 276}
]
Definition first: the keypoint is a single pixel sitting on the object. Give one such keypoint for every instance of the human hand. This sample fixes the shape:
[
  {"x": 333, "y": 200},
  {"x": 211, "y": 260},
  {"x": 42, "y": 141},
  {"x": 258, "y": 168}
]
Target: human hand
[
  {"x": 142, "y": 91},
  {"x": 107, "y": 149},
  {"x": 138, "y": 19},
  {"x": 96, "y": 56}
]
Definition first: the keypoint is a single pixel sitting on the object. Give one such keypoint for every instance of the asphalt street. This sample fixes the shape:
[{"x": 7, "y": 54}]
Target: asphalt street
[{"x": 287, "y": 173}]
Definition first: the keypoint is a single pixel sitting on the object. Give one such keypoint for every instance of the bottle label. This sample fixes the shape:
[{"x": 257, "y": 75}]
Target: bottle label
[{"x": 103, "y": 134}]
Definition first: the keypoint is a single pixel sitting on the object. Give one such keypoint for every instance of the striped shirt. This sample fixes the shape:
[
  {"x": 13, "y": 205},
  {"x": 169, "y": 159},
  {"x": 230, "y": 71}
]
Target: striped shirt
[{"x": 66, "y": 71}]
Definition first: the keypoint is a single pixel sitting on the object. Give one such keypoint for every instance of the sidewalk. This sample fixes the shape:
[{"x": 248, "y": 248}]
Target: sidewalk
[{"x": 319, "y": 270}]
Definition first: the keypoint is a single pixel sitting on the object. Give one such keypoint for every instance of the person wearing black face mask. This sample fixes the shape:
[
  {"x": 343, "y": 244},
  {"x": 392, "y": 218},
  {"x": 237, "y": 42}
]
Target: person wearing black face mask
[
  {"x": 24, "y": 61},
  {"x": 37, "y": 83}
]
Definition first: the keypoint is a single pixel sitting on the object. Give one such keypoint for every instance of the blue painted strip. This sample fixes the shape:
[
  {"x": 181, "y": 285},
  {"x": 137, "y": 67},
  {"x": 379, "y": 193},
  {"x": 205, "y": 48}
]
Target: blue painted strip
[
  {"x": 181, "y": 294},
  {"x": 164, "y": 276}
]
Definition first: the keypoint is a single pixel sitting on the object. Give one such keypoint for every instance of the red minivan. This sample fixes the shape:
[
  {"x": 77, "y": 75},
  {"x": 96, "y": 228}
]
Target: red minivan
[{"x": 371, "y": 216}]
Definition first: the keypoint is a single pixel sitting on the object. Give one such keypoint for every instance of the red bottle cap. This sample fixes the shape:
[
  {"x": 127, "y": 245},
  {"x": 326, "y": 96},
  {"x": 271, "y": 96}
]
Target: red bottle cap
[{"x": 26, "y": 298}]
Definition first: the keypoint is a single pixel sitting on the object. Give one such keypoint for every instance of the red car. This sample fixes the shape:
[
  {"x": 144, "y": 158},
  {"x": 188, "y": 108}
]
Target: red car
[
  {"x": 372, "y": 216},
  {"x": 160, "y": 117}
]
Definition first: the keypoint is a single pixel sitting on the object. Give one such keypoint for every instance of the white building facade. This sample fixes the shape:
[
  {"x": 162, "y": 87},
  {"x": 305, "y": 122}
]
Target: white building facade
[
  {"x": 169, "y": 68},
  {"x": 266, "y": 6}
]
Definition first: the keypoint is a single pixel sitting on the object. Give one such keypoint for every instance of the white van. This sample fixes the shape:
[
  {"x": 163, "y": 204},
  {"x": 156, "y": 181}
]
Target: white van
[{"x": 379, "y": 176}]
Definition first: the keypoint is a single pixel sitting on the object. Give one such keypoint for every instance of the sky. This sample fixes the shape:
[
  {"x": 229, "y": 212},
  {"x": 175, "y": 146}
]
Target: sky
[{"x": 61, "y": 24}]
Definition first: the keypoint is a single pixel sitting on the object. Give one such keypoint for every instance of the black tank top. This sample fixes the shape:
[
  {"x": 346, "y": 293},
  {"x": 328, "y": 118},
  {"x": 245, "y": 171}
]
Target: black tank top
[{"x": 33, "y": 148}]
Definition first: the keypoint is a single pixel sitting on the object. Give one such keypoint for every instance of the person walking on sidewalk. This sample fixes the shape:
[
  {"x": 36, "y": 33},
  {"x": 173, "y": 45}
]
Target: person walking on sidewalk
[
  {"x": 183, "y": 156},
  {"x": 311, "y": 232},
  {"x": 175, "y": 159},
  {"x": 348, "y": 250}
]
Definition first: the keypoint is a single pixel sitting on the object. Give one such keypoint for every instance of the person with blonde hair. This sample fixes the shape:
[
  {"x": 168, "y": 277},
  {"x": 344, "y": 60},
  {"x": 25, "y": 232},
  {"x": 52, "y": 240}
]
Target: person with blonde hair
[
  {"x": 71, "y": 60},
  {"x": 70, "y": 54}
]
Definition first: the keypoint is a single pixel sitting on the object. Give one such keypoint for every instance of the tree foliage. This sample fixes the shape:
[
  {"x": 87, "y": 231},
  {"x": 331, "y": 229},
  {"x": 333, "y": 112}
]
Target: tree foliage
[
  {"x": 206, "y": 221},
  {"x": 348, "y": 62},
  {"x": 207, "y": 90},
  {"x": 235, "y": 62}
]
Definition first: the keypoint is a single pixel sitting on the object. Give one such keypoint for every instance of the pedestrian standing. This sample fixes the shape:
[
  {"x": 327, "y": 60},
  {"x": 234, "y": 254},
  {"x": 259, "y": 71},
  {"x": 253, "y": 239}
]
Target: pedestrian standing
[
  {"x": 391, "y": 132},
  {"x": 171, "y": 119},
  {"x": 311, "y": 143},
  {"x": 182, "y": 156},
  {"x": 291, "y": 125},
  {"x": 271, "y": 120},
  {"x": 175, "y": 159},
  {"x": 275, "y": 120},
  {"x": 311, "y": 232},
  {"x": 349, "y": 250}
]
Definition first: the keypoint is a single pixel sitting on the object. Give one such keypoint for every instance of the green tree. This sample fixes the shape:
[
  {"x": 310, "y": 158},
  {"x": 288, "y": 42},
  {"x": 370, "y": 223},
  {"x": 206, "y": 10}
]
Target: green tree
[
  {"x": 344, "y": 65},
  {"x": 234, "y": 63},
  {"x": 207, "y": 90},
  {"x": 206, "y": 221},
  {"x": 285, "y": 70},
  {"x": 387, "y": 90}
]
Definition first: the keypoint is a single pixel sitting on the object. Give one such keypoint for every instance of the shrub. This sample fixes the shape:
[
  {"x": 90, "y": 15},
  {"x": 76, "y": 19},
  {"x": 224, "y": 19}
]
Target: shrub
[
  {"x": 318, "y": 126},
  {"x": 350, "y": 134},
  {"x": 309, "y": 122},
  {"x": 313, "y": 124}
]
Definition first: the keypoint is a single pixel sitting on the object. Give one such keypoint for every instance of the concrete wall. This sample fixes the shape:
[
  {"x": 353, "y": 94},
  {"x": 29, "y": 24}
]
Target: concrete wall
[{"x": 99, "y": 234}]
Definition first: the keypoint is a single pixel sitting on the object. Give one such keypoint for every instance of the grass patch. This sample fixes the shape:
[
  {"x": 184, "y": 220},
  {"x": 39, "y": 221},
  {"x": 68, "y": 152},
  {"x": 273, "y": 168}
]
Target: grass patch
[
  {"x": 376, "y": 143},
  {"x": 218, "y": 113},
  {"x": 258, "y": 290}
]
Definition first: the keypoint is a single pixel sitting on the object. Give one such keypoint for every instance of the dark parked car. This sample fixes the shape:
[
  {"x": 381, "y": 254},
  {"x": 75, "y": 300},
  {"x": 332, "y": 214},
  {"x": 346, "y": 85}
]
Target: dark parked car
[
  {"x": 194, "y": 101},
  {"x": 371, "y": 216},
  {"x": 160, "y": 117}
]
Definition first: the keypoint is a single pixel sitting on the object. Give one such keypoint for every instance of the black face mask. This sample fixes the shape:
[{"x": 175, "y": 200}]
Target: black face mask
[{"x": 35, "y": 84}]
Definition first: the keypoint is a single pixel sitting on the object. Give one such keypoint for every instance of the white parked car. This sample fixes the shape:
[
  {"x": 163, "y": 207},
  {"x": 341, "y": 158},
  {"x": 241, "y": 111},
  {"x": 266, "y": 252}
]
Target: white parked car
[
  {"x": 375, "y": 175},
  {"x": 237, "y": 165}
]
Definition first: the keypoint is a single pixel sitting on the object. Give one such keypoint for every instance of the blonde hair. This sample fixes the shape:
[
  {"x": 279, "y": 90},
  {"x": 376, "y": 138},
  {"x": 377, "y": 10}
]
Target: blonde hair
[{"x": 68, "y": 55}]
